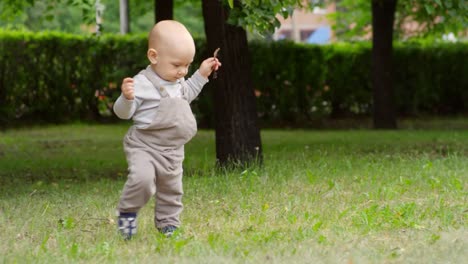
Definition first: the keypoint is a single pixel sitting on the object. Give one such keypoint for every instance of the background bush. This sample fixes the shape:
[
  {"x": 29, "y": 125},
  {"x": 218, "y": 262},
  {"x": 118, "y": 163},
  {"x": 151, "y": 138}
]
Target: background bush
[{"x": 56, "y": 77}]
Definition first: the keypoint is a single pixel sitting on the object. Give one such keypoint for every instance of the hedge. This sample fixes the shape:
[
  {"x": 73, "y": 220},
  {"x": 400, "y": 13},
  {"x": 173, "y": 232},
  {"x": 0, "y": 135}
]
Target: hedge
[
  {"x": 299, "y": 83},
  {"x": 56, "y": 77}
]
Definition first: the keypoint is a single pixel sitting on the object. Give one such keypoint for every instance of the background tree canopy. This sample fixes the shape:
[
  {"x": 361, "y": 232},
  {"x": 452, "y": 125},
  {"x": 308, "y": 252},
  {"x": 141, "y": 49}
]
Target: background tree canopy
[
  {"x": 434, "y": 17},
  {"x": 77, "y": 16},
  {"x": 353, "y": 18}
]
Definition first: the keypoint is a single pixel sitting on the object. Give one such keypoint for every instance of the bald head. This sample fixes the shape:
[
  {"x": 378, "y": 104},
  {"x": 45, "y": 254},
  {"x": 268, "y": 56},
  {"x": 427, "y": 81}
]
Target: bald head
[
  {"x": 170, "y": 34},
  {"x": 171, "y": 50}
]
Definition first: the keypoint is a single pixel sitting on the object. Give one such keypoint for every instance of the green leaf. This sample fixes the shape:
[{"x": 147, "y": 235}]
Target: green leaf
[
  {"x": 429, "y": 9},
  {"x": 231, "y": 3},
  {"x": 448, "y": 4}
]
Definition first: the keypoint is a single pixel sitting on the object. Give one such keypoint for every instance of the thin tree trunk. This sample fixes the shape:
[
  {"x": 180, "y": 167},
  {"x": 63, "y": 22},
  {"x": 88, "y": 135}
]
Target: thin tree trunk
[
  {"x": 237, "y": 133},
  {"x": 163, "y": 10},
  {"x": 383, "y": 15},
  {"x": 124, "y": 17}
]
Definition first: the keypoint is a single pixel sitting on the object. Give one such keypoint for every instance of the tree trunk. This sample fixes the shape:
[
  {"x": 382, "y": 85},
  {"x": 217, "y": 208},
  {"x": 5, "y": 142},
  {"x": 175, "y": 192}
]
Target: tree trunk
[
  {"x": 124, "y": 17},
  {"x": 237, "y": 133},
  {"x": 383, "y": 14},
  {"x": 163, "y": 10}
]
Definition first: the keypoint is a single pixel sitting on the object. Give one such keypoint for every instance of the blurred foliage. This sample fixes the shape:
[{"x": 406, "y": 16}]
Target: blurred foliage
[
  {"x": 78, "y": 16},
  {"x": 353, "y": 18},
  {"x": 58, "y": 77},
  {"x": 261, "y": 17}
]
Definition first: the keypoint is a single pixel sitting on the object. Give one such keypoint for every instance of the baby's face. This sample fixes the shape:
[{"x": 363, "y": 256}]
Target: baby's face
[
  {"x": 173, "y": 64},
  {"x": 170, "y": 50}
]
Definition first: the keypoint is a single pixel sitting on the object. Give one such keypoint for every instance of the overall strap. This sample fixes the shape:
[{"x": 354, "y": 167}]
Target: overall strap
[{"x": 150, "y": 75}]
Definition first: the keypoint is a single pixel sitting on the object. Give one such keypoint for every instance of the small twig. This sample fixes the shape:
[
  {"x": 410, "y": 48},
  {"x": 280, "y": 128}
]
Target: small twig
[{"x": 215, "y": 55}]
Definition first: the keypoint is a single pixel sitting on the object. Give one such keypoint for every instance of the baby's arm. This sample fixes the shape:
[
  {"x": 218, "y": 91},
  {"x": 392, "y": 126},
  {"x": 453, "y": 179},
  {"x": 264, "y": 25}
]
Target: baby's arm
[
  {"x": 125, "y": 105},
  {"x": 195, "y": 84}
]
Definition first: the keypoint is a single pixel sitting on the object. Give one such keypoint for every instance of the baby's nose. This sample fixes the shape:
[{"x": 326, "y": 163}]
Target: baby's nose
[{"x": 183, "y": 71}]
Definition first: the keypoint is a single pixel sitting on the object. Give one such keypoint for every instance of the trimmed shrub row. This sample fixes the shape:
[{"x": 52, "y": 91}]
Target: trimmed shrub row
[{"x": 56, "y": 77}]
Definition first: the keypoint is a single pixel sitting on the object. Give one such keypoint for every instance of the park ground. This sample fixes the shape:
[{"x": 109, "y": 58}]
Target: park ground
[{"x": 321, "y": 196}]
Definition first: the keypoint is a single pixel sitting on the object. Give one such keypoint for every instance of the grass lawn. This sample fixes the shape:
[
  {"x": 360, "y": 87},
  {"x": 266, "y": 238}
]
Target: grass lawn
[{"x": 356, "y": 196}]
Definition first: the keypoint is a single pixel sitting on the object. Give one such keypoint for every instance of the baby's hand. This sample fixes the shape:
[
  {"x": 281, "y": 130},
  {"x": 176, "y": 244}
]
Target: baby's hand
[
  {"x": 128, "y": 88},
  {"x": 208, "y": 66}
]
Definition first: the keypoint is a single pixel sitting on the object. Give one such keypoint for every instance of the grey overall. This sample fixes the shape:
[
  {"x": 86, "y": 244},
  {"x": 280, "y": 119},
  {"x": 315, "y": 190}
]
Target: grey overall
[{"x": 155, "y": 155}]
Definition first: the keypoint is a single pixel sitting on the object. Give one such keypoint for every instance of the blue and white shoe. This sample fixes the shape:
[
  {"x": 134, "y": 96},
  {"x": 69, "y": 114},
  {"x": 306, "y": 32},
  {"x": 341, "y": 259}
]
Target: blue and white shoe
[
  {"x": 168, "y": 231},
  {"x": 127, "y": 225}
]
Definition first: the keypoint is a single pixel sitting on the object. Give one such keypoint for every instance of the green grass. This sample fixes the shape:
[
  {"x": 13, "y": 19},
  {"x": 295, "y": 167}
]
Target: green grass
[{"x": 356, "y": 196}]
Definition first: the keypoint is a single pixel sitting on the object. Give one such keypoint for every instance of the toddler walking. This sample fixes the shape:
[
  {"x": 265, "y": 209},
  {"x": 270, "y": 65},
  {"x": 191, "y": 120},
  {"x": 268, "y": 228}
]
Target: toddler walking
[{"x": 157, "y": 99}]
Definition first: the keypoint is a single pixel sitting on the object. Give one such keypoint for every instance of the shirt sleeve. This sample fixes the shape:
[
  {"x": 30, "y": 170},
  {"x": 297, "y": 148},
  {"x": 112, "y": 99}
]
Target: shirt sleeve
[
  {"x": 125, "y": 108},
  {"x": 195, "y": 85}
]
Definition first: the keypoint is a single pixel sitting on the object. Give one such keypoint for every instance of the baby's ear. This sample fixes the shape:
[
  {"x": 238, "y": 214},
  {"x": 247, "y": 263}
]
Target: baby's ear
[{"x": 152, "y": 55}]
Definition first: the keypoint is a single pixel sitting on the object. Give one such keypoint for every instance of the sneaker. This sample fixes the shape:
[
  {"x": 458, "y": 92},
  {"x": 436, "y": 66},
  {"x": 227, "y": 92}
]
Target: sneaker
[
  {"x": 168, "y": 231},
  {"x": 127, "y": 225}
]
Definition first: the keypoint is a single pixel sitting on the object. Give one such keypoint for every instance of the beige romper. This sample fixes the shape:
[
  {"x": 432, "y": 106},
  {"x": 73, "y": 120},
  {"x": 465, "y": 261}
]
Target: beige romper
[{"x": 155, "y": 155}]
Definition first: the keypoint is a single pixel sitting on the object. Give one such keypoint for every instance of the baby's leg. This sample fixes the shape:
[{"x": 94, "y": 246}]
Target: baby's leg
[
  {"x": 140, "y": 185},
  {"x": 168, "y": 200}
]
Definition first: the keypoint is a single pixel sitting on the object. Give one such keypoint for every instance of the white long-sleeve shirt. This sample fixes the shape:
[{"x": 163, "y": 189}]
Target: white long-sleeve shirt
[{"x": 142, "y": 109}]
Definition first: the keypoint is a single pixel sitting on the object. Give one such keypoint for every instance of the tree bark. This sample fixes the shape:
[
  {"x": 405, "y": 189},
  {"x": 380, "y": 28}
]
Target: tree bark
[
  {"x": 163, "y": 10},
  {"x": 237, "y": 133},
  {"x": 383, "y": 15}
]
